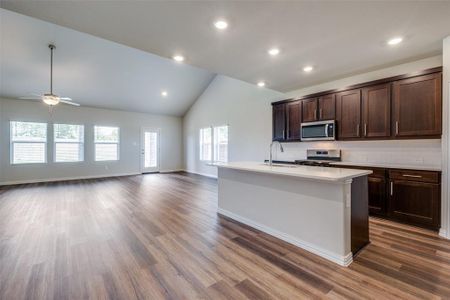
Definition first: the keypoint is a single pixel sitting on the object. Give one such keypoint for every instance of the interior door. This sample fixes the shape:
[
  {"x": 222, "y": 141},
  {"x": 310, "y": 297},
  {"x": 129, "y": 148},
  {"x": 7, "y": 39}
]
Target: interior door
[{"x": 150, "y": 150}]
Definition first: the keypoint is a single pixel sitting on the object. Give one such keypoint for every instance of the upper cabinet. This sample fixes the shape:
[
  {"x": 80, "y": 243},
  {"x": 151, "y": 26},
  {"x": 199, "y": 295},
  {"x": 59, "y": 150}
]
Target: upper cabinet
[
  {"x": 327, "y": 107},
  {"x": 376, "y": 111},
  {"x": 279, "y": 122},
  {"x": 348, "y": 115},
  {"x": 401, "y": 107},
  {"x": 417, "y": 106},
  {"x": 294, "y": 118},
  {"x": 309, "y": 110},
  {"x": 318, "y": 109}
]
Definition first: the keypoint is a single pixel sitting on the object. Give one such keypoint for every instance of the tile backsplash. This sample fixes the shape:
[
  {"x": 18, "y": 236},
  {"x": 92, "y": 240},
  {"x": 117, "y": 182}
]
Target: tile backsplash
[{"x": 408, "y": 152}]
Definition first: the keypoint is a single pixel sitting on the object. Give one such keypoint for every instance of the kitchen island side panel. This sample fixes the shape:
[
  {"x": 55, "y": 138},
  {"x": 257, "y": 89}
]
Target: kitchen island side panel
[{"x": 312, "y": 214}]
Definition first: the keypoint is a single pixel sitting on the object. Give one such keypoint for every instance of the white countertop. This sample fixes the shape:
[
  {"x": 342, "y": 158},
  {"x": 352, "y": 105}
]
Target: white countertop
[
  {"x": 388, "y": 166},
  {"x": 307, "y": 172}
]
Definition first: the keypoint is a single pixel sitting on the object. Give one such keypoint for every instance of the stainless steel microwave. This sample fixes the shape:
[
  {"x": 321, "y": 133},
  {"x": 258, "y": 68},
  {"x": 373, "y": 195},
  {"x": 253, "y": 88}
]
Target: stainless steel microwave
[{"x": 318, "y": 131}]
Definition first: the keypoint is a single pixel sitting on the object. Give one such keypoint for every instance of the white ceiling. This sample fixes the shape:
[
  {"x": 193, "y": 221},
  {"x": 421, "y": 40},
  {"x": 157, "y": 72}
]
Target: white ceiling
[
  {"x": 338, "y": 38},
  {"x": 92, "y": 71}
]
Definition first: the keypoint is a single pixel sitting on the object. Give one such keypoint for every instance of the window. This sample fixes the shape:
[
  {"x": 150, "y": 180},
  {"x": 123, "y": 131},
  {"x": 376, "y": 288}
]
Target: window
[
  {"x": 28, "y": 142},
  {"x": 106, "y": 141},
  {"x": 221, "y": 144},
  {"x": 69, "y": 142},
  {"x": 205, "y": 144},
  {"x": 214, "y": 144}
]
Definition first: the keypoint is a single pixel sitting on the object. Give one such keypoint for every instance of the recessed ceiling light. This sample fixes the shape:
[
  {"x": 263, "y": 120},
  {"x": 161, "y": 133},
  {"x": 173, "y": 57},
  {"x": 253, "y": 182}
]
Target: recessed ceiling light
[
  {"x": 164, "y": 93},
  {"x": 261, "y": 83},
  {"x": 308, "y": 68},
  {"x": 221, "y": 24},
  {"x": 178, "y": 58},
  {"x": 274, "y": 51},
  {"x": 395, "y": 41}
]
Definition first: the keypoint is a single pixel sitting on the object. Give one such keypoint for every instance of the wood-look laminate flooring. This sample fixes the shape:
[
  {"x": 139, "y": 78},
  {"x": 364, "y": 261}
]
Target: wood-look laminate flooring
[{"x": 158, "y": 236}]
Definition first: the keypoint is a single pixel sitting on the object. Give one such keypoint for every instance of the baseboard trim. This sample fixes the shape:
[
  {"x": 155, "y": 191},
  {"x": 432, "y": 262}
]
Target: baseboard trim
[
  {"x": 443, "y": 233},
  {"x": 201, "y": 174},
  {"x": 171, "y": 171},
  {"x": 336, "y": 258},
  {"x": 66, "y": 178}
]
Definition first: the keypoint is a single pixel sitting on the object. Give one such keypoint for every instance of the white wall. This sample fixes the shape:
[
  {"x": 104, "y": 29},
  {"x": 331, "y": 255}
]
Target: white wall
[
  {"x": 130, "y": 126},
  {"x": 445, "y": 231},
  {"x": 244, "y": 107}
]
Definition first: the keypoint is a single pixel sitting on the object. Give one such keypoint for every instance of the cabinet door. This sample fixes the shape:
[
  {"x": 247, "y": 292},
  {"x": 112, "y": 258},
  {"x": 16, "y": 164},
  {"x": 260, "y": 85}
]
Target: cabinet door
[
  {"x": 376, "y": 102},
  {"x": 348, "y": 115},
  {"x": 294, "y": 114},
  {"x": 327, "y": 107},
  {"x": 278, "y": 122},
  {"x": 417, "y": 106},
  {"x": 377, "y": 195},
  {"x": 309, "y": 110},
  {"x": 415, "y": 202}
]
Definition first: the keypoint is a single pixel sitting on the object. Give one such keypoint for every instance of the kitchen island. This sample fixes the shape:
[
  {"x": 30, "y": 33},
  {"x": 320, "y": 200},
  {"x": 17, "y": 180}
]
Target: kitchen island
[{"x": 322, "y": 210}]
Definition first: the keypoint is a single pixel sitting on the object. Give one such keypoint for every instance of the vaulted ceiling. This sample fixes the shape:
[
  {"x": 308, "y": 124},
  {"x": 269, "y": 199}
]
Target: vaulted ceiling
[
  {"x": 92, "y": 71},
  {"x": 337, "y": 37}
]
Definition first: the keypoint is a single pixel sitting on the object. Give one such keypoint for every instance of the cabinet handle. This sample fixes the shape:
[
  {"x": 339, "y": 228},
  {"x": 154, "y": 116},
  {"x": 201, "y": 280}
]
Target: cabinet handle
[
  {"x": 357, "y": 130},
  {"x": 396, "y": 127},
  {"x": 320, "y": 113},
  {"x": 392, "y": 188},
  {"x": 284, "y": 136},
  {"x": 365, "y": 129},
  {"x": 413, "y": 176}
]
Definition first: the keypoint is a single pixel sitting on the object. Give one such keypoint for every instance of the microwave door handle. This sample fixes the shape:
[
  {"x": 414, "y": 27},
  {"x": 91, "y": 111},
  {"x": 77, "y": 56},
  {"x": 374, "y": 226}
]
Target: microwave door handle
[{"x": 326, "y": 130}]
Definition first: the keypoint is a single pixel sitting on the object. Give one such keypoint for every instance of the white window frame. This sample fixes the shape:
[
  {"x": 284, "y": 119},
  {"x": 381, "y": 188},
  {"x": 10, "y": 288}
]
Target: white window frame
[
  {"x": 201, "y": 144},
  {"x": 114, "y": 143},
  {"x": 82, "y": 153},
  {"x": 212, "y": 145},
  {"x": 11, "y": 143}
]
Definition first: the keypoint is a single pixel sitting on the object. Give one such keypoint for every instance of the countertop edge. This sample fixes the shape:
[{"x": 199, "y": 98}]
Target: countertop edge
[{"x": 275, "y": 172}]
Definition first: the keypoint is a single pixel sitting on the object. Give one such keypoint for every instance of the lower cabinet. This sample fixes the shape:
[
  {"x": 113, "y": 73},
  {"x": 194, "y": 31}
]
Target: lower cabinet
[
  {"x": 414, "y": 199},
  {"x": 408, "y": 196},
  {"x": 377, "y": 195}
]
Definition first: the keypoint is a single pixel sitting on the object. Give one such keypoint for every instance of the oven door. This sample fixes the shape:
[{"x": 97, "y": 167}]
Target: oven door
[{"x": 318, "y": 131}]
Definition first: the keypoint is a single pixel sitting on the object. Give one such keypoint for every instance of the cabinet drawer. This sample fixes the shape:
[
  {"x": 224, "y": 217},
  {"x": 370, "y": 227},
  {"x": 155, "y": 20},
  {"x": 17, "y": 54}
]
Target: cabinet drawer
[{"x": 413, "y": 175}]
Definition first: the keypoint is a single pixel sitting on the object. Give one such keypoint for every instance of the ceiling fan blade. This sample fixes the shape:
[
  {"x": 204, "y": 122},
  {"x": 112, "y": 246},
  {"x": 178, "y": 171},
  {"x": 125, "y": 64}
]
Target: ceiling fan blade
[
  {"x": 66, "y": 98},
  {"x": 29, "y": 98},
  {"x": 70, "y": 103}
]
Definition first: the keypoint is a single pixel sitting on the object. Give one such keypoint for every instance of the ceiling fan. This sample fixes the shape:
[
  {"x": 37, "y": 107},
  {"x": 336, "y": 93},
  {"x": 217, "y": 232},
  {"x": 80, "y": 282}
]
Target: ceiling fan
[{"x": 50, "y": 98}]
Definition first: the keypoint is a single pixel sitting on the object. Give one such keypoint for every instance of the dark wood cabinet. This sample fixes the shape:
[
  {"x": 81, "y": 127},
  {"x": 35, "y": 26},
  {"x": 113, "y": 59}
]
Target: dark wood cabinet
[
  {"x": 417, "y": 106},
  {"x": 348, "y": 114},
  {"x": 318, "y": 109},
  {"x": 376, "y": 108},
  {"x": 400, "y": 107},
  {"x": 279, "y": 122},
  {"x": 377, "y": 195},
  {"x": 327, "y": 107},
  {"x": 294, "y": 118},
  {"x": 408, "y": 196},
  {"x": 309, "y": 110},
  {"x": 413, "y": 199}
]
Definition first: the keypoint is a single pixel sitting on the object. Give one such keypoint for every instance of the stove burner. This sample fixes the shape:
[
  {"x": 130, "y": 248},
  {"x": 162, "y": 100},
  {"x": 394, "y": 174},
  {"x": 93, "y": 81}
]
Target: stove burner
[{"x": 314, "y": 163}]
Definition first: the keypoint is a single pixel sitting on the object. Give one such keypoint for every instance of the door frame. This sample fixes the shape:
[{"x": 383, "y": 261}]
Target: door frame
[{"x": 142, "y": 150}]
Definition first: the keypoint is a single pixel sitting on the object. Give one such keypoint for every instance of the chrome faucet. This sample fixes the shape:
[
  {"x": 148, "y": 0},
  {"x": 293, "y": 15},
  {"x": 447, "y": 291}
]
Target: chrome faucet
[{"x": 271, "y": 144}]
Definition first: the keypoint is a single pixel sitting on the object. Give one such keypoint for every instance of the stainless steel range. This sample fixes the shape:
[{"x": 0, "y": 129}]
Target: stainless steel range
[{"x": 320, "y": 157}]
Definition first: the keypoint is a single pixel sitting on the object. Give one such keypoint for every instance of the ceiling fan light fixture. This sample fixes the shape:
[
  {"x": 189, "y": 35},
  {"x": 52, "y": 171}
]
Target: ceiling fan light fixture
[{"x": 50, "y": 99}]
